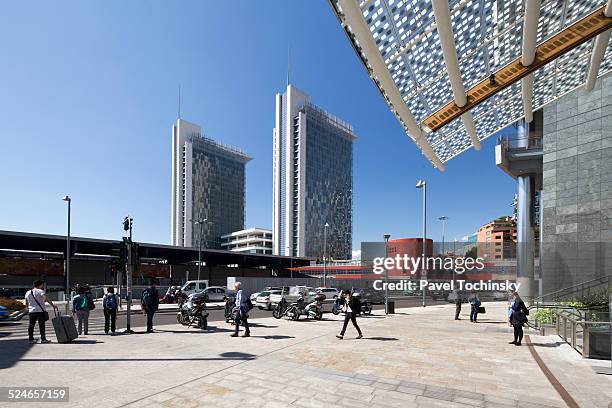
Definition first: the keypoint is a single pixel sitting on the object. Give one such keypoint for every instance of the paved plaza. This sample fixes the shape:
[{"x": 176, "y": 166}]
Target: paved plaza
[{"x": 415, "y": 358}]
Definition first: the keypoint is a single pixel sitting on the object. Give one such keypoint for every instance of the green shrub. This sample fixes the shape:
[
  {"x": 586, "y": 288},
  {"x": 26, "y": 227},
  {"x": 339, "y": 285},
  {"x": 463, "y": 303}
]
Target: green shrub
[
  {"x": 11, "y": 304},
  {"x": 543, "y": 316}
]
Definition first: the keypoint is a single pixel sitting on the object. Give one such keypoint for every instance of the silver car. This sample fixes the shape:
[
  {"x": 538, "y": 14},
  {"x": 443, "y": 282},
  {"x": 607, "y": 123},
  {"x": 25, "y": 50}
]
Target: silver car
[
  {"x": 263, "y": 300},
  {"x": 215, "y": 293}
]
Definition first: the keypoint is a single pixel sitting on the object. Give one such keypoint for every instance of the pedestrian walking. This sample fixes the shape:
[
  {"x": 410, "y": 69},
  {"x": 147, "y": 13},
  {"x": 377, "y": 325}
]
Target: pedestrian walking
[
  {"x": 242, "y": 307},
  {"x": 458, "y": 301},
  {"x": 110, "y": 305},
  {"x": 80, "y": 307},
  {"x": 475, "y": 304},
  {"x": 351, "y": 308},
  {"x": 518, "y": 318},
  {"x": 150, "y": 302},
  {"x": 35, "y": 299}
]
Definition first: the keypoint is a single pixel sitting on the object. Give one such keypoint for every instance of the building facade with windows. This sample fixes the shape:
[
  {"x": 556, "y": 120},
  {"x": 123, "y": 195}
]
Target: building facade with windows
[
  {"x": 312, "y": 180},
  {"x": 208, "y": 183},
  {"x": 497, "y": 239},
  {"x": 251, "y": 240}
]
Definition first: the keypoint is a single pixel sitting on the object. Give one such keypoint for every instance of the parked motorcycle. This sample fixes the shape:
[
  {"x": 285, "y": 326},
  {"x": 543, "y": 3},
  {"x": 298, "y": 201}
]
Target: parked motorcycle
[
  {"x": 193, "y": 312},
  {"x": 280, "y": 309},
  {"x": 313, "y": 310},
  {"x": 230, "y": 303}
]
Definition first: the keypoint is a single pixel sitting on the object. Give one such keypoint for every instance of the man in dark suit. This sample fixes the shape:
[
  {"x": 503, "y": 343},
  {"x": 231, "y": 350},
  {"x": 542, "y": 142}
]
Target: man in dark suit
[{"x": 243, "y": 305}]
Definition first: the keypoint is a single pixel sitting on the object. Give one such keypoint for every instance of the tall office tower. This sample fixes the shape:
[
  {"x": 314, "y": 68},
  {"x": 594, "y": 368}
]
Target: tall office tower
[
  {"x": 208, "y": 183},
  {"x": 313, "y": 180}
]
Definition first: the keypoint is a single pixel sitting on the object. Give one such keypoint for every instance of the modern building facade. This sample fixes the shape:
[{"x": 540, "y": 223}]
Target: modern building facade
[
  {"x": 251, "y": 241},
  {"x": 312, "y": 180},
  {"x": 208, "y": 183},
  {"x": 577, "y": 188}
]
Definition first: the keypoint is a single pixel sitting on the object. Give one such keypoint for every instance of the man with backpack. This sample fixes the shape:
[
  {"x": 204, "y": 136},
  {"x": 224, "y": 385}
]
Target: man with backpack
[
  {"x": 80, "y": 307},
  {"x": 243, "y": 305},
  {"x": 110, "y": 305},
  {"x": 150, "y": 303}
]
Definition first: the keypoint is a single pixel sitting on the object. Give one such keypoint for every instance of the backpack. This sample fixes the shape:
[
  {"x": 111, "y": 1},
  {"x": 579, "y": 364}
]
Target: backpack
[
  {"x": 90, "y": 303},
  {"x": 148, "y": 298},
  {"x": 249, "y": 304},
  {"x": 110, "y": 301}
]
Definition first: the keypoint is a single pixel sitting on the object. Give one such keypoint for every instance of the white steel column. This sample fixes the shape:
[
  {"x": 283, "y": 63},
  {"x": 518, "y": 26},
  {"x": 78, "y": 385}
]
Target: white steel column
[
  {"x": 447, "y": 41},
  {"x": 354, "y": 18},
  {"x": 599, "y": 51},
  {"x": 530, "y": 34}
]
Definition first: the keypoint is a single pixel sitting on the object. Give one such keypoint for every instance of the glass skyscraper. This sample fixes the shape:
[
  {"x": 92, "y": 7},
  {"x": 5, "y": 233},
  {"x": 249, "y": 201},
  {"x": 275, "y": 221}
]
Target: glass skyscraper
[
  {"x": 208, "y": 182},
  {"x": 313, "y": 179}
]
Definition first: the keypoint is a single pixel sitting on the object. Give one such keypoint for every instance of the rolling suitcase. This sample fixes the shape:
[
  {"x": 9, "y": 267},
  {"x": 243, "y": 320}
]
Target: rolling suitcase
[{"x": 65, "y": 329}]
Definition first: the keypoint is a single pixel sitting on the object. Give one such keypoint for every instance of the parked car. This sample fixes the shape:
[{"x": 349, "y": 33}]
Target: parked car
[
  {"x": 215, "y": 293},
  {"x": 4, "y": 313},
  {"x": 453, "y": 296},
  {"x": 194, "y": 286},
  {"x": 330, "y": 293},
  {"x": 267, "y": 288},
  {"x": 370, "y": 295},
  {"x": 263, "y": 300}
]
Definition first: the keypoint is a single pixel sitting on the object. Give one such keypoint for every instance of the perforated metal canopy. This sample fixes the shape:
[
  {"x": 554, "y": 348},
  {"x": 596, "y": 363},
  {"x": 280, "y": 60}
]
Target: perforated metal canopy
[{"x": 419, "y": 65}]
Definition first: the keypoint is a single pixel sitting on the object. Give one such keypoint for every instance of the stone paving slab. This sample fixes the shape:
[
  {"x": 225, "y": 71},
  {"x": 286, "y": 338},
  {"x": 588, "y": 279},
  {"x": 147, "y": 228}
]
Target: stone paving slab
[{"x": 416, "y": 358}]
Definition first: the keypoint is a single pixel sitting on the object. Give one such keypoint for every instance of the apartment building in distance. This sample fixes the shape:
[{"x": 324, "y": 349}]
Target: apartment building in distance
[
  {"x": 312, "y": 212},
  {"x": 496, "y": 240},
  {"x": 208, "y": 183},
  {"x": 250, "y": 240}
]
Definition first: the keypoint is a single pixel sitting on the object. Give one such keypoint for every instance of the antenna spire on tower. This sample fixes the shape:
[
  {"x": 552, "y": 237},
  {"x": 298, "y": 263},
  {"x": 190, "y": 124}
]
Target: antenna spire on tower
[
  {"x": 288, "y": 63},
  {"x": 179, "y": 102}
]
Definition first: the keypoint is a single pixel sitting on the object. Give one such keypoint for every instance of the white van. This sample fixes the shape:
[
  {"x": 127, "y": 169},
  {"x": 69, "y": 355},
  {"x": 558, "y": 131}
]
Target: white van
[{"x": 194, "y": 286}]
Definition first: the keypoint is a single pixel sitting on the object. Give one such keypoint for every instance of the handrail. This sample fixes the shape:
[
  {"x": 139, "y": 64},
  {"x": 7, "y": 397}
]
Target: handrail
[{"x": 603, "y": 279}]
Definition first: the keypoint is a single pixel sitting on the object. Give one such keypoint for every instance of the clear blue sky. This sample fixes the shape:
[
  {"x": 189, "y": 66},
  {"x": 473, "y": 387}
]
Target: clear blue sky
[{"x": 88, "y": 94}]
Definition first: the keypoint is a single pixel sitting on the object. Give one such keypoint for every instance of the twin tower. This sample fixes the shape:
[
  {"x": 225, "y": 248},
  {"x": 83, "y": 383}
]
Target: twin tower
[{"x": 312, "y": 183}]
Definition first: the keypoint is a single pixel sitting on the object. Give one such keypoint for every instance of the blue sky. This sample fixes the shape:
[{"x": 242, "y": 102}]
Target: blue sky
[{"x": 88, "y": 94}]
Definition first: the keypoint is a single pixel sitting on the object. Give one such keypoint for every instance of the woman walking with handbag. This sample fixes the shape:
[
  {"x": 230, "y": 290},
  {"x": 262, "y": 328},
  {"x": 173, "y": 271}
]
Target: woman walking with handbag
[
  {"x": 351, "y": 307},
  {"x": 518, "y": 317},
  {"x": 35, "y": 300}
]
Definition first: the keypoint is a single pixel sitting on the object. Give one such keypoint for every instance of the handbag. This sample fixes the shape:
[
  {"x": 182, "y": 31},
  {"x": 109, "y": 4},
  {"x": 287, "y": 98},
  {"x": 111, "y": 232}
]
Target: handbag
[
  {"x": 45, "y": 313},
  {"x": 481, "y": 309}
]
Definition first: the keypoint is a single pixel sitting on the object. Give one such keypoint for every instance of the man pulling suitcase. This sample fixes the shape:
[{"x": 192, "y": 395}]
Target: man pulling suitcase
[{"x": 35, "y": 302}]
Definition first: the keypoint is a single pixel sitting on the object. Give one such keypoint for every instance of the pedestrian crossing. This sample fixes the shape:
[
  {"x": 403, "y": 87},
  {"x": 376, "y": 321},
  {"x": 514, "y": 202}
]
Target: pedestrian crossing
[{"x": 19, "y": 330}]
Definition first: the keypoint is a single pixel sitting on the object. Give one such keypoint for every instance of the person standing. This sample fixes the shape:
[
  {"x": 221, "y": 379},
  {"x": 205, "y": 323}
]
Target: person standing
[
  {"x": 243, "y": 305},
  {"x": 475, "y": 304},
  {"x": 110, "y": 305},
  {"x": 35, "y": 300},
  {"x": 458, "y": 301},
  {"x": 518, "y": 317},
  {"x": 150, "y": 303},
  {"x": 80, "y": 307},
  {"x": 351, "y": 308}
]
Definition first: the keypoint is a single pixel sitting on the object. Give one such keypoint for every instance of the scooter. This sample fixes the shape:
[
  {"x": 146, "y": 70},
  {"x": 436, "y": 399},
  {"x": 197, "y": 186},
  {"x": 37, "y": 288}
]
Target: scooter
[
  {"x": 193, "y": 312},
  {"x": 280, "y": 309},
  {"x": 313, "y": 310}
]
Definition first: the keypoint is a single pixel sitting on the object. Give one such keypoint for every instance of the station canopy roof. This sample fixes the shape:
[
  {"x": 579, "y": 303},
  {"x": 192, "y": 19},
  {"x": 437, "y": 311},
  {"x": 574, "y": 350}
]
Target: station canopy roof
[{"x": 432, "y": 61}]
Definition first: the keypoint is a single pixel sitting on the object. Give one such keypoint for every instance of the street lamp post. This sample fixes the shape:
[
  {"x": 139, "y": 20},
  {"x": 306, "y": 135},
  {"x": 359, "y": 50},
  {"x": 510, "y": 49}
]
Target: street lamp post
[
  {"x": 423, "y": 184},
  {"x": 200, "y": 222},
  {"x": 443, "y": 218},
  {"x": 67, "y": 288},
  {"x": 387, "y": 236},
  {"x": 325, "y": 254},
  {"x": 127, "y": 226}
]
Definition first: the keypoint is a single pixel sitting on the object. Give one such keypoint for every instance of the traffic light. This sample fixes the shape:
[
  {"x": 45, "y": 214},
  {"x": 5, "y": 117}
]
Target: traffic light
[
  {"x": 135, "y": 258},
  {"x": 120, "y": 253},
  {"x": 127, "y": 223}
]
